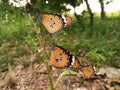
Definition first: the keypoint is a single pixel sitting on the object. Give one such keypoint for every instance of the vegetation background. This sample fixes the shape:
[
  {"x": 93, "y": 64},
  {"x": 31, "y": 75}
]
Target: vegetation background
[{"x": 93, "y": 36}]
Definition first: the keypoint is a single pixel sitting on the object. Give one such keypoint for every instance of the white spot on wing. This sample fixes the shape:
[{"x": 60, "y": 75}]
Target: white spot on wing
[
  {"x": 64, "y": 19},
  {"x": 73, "y": 60},
  {"x": 94, "y": 69}
]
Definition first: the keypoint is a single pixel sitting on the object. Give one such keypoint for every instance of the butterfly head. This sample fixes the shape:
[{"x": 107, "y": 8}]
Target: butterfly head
[
  {"x": 41, "y": 17},
  {"x": 53, "y": 46}
]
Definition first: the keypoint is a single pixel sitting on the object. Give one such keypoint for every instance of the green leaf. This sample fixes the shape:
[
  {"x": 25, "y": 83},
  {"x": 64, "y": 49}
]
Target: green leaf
[{"x": 66, "y": 72}]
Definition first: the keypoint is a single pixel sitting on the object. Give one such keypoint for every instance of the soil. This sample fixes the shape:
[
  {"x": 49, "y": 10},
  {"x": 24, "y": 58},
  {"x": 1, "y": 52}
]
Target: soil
[{"x": 35, "y": 77}]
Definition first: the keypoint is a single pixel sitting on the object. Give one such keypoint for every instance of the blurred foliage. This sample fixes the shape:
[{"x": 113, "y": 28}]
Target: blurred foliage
[
  {"x": 53, "y": 6},
  {"x": 18, "y": 38}
]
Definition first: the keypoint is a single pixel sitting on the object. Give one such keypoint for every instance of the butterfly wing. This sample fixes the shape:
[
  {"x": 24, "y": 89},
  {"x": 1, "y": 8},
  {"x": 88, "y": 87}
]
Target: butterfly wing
[
  {"x": 52, "y": 22},
  {"x": 69, "y": 21},
  {"x": 87, "y": 71},
  {"x": 96, "y": 69},
  {"x": 59, "y": 57},
  {"x": 74, "y": 62}
]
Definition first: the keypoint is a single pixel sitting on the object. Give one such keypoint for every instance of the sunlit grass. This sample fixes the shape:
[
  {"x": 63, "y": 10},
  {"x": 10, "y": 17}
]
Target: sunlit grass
[{"x": 113, "y": 14}]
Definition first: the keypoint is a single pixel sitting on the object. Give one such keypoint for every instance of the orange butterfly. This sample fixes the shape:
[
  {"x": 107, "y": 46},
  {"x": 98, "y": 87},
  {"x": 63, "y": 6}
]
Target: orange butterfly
[
  {"x": 61, "y": 58},
  {"x": 54, "y": 22},
  {"x": 89, "y": 71}
]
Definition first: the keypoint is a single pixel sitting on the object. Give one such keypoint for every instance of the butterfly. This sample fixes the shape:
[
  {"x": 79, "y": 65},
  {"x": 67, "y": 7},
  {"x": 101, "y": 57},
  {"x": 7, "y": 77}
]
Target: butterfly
[
  {"x": 89, "y": 71},
  {"x": 61, "y": 58},
  {"x": 54, "y": 22}
]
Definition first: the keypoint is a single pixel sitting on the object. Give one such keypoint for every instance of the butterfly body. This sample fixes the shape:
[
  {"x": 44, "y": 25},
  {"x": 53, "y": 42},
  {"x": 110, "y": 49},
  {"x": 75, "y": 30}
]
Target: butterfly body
[{"x": 54, "y": 22}]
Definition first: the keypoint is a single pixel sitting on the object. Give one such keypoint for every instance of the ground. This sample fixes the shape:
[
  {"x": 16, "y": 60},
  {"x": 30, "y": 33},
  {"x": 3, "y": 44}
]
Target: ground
[{"x": 35, "y": 77}]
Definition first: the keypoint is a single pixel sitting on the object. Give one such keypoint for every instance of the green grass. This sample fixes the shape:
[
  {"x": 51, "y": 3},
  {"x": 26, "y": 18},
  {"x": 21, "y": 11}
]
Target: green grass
[{"x": 101, "y": 42}]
